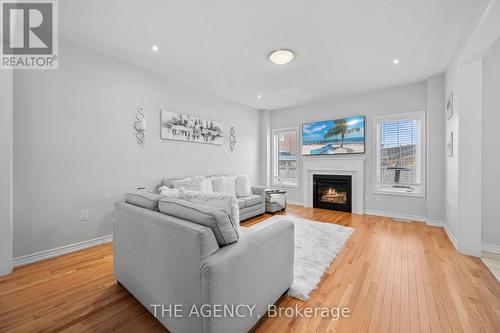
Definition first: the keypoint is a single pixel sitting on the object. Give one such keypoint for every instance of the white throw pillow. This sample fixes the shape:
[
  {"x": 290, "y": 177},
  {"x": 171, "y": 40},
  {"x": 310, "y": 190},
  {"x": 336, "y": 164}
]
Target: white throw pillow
[
  {"x": 207, "y": 185},
  {"x": 190, "y": 184},
  {"x": 242, "y": 186},
  {"x": 229, "y": 183},
  {"x": 170, "y": 193},
  {"x": 224, "y": 201},
  {"x": 218, "y": 184}
]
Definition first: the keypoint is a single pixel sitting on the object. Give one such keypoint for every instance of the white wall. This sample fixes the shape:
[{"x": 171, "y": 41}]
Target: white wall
[
  {"x": 408, "y": 98},
  {"x": 469, "y": 141},
  {"x": 436, "y": 149},
  {"x": 475, "y": 90},
  {"x": 452, "y": 85},
  {"x": 75, "y": 147},
  {"x": 463, "y": 186},
  {"x": 490, "y": 151},
  {"x": 265, "y": 148},
  {"x": 6, "y": 172}
]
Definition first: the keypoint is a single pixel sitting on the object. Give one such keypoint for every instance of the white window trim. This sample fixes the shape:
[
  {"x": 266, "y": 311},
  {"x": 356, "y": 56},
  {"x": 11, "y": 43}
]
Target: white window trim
[
  {"x": 274, "y": 159},
  {"x": 418, "y": 115}
]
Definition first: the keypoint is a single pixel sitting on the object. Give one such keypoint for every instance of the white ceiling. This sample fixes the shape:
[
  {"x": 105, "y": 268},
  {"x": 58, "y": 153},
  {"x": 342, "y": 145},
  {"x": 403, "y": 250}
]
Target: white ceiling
[{"x": 342, "y": 46}]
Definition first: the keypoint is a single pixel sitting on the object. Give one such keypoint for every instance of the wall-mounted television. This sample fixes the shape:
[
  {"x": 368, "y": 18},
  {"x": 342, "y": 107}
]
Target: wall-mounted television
[{"x": 334, "y": 137}]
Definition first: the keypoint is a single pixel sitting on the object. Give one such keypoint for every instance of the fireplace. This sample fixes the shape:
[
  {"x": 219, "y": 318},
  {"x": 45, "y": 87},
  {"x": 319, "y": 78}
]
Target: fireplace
[{"x": 332, "y": 192}]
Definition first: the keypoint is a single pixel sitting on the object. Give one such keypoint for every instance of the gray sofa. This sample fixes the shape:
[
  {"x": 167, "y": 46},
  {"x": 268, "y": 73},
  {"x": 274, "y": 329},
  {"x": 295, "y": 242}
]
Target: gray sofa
[
  {"x": 164, "y": 260},
  {"x": 250, "y": 206}
]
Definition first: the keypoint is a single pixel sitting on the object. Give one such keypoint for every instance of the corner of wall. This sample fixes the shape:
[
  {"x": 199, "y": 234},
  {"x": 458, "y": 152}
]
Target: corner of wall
[{"x": 6, "y": 168}]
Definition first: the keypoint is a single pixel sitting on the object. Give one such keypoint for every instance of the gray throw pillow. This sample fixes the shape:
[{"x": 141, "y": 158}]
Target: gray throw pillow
[
  {"x": 224, "y": 231},
  {"x": 242, "y": 186},
  {"x": 143, "y": 199}
]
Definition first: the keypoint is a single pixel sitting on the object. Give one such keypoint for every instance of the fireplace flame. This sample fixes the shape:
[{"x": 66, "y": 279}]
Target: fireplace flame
[{"x": 332, "y": 195}]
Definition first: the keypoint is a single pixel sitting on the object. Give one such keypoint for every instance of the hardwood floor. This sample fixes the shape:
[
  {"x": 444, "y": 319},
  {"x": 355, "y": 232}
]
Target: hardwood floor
[{"x": 394, "y": 276}]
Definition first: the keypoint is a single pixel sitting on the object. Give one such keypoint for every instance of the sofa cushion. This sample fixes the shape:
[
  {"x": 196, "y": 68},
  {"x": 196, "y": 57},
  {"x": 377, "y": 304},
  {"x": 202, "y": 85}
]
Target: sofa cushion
[
  {"x": 226, "y": 202},
  {"x": 197, "y": 183},
  {"x": 251, "y": 200},
  {"x": 242, "y": 186},
  {"x": 143, "y": 199},
  {"x": 224, "y": 231}
]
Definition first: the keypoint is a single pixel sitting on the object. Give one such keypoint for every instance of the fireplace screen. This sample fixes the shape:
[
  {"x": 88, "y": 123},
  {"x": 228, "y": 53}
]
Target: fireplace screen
[{"x": 332, "y": 192}]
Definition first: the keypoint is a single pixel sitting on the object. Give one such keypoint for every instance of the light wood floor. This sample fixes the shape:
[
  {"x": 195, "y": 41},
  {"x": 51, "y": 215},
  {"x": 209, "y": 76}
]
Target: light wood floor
[
  {"x": 492, "y": 261},
  {"x": 394, "y": 276}
]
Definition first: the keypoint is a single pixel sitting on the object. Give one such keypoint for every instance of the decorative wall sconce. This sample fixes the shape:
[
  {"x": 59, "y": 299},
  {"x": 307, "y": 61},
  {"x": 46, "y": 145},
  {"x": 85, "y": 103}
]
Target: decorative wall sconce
[
  {"x": 140, "y": 126},
  {"x": 232, "y": 138}
]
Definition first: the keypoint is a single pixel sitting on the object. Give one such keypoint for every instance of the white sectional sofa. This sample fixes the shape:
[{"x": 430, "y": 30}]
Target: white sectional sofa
[
  {"x": 202, "y": 260},
  {"x": 251, "y": 204}
]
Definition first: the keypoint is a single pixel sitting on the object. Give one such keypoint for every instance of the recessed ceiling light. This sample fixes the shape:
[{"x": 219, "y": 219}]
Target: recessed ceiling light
[
  {"x": 259, "y": 96},
  {"x": 155, "y": 48},
  {"x": 395, "y": 61},
  {"x": 281, "y": 57}
]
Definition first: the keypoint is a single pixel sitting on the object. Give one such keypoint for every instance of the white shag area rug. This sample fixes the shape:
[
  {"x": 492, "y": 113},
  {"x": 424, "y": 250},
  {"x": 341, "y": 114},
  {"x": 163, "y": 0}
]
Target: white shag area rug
[{"x": 316, "y": 246}]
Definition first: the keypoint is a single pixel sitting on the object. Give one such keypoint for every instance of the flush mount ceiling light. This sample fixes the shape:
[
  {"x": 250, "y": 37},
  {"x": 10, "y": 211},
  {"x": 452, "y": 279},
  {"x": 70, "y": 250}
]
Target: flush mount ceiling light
[
  {"x": 281, "y": 57},
  {"x": 154, "y": 48},
  {"x": 395, "y": 61},
  {"x": 259, "y": 96}
]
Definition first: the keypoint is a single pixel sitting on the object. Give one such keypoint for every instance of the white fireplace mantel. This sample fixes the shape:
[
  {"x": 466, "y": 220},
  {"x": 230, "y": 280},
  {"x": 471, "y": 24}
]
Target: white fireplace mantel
[{"x": 332, "y": 165}]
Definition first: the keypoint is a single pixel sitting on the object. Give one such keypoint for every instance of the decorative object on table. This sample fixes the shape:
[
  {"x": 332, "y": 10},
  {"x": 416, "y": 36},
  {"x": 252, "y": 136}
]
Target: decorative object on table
[
  {"x": 397, "y": 175},
  {"x": 334, "y": 137},
  {"x": 449, "y": 106},
  {"x": 316, "y": 246},
  {"x": 449, "y": 144},
  {"x": 232, "y": 138},
  {"x": 275, "y": 200},
  {"x": 140, "y": 126},
  {"x": 182, "y": 127}
]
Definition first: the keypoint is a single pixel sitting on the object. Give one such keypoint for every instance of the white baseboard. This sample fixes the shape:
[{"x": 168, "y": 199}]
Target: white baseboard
[
  {"x": 59, "y": 251},
  {"x": 451, "y": 236},
  {"x": 434, "y": 223},
  {"x": 490, "y": 248},
  {"x": 298, "y": 203},
  {"x": 397, "y": 215}
]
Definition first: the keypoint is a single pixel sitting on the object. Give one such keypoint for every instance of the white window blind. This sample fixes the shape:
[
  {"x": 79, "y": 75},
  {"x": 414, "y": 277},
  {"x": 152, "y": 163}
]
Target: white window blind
[{"x": 399, "y": 153}]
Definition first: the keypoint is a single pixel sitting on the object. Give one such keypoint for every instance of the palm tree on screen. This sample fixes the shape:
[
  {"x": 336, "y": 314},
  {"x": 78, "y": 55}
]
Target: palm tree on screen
[{"x": 340, "y": 128}]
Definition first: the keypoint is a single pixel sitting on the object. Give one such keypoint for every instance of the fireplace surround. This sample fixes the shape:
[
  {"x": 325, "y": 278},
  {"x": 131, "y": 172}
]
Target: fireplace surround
[
  {"x": 332, "y": 192},
  {"x": 351, "y": 166}
]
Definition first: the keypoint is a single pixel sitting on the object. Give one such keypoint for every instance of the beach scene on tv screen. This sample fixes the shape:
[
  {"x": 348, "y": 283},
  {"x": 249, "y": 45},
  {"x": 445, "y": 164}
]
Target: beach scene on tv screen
[{"x": 341, "y": 136}]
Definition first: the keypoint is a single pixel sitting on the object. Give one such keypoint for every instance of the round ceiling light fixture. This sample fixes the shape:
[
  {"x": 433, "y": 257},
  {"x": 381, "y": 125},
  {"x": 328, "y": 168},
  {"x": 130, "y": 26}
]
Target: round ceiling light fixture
[
  {"x": 281, "y": 57},
  {"x": 154, "y": 48}
]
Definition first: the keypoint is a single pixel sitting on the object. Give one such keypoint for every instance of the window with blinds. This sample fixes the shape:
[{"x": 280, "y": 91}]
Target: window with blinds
[{"x": 399, "y": 153}]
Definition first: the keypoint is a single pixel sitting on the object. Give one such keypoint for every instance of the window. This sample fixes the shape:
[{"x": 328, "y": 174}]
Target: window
[
  {"x": 285, "y": 161},
  {"x": 400, "y": 153}
]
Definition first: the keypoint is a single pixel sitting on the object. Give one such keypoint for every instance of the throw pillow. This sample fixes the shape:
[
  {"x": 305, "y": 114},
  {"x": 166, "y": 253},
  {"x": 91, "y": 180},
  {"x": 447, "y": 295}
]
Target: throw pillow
[
  {"x": 218, "y": 184},
  {"x": 206, "y": 185},
  {"x": 170, "y": 193},
  {"x": 242, "y": 186},
  {"x": 189, "y": 184},
  {"x": 229, "y": 183}
]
